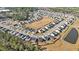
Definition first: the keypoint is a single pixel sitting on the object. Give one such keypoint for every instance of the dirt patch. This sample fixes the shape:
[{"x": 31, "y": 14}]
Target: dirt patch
[{"x": 38, "y": 24}]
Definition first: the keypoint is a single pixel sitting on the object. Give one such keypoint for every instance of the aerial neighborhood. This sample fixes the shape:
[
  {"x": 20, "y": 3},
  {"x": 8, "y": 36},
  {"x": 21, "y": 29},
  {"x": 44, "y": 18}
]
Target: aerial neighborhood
[{"x": 42, "y": 27}]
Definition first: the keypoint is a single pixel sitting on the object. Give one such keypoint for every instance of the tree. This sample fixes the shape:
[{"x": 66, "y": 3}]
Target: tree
[{"x": 12, "y": 43}]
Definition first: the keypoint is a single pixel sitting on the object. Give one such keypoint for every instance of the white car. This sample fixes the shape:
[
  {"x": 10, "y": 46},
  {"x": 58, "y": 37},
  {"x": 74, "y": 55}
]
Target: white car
[{"x": 57, "y": 31}]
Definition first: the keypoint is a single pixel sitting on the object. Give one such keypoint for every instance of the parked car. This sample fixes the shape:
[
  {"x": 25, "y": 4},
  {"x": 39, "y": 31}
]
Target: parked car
[{"x": 55, "y": 33}]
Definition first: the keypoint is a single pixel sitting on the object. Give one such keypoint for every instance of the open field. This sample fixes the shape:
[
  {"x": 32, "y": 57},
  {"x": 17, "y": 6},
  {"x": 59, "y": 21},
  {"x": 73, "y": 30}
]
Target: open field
[{"x": 40, "y": 23}]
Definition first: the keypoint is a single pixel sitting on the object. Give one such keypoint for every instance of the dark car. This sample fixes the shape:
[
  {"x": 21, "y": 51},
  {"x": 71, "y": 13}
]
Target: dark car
[{"x": 47, "y": 38}]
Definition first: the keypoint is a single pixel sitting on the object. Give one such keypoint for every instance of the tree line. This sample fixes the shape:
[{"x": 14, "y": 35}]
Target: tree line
[{"x": 12, "y": 43}]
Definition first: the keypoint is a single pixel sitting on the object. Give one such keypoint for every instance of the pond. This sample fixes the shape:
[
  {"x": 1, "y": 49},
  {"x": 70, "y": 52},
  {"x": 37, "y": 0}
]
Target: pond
[{"x": 72, "y": 36}]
